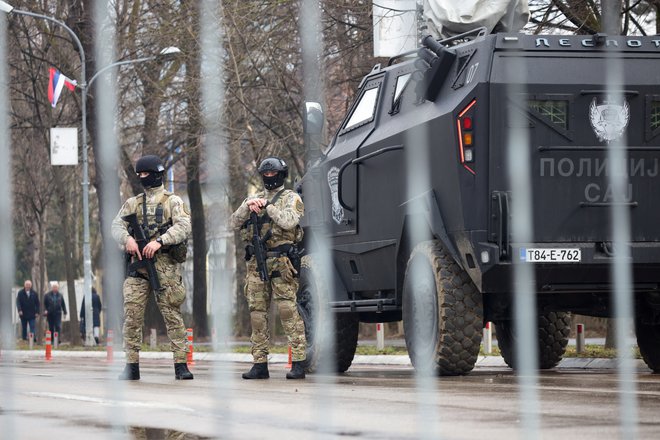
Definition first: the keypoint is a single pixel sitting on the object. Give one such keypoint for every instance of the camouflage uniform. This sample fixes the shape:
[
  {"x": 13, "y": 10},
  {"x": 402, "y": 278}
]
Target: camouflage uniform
[
  {"x": 137, "y": 289},
  {"x": 284, "y": 215}
]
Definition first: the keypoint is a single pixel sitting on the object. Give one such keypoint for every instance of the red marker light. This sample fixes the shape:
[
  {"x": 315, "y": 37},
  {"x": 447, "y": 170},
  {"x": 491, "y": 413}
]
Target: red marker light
[{"x": 467, "y": 123}]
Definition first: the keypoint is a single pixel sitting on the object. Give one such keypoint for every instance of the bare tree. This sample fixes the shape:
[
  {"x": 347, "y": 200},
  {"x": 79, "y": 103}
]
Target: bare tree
[{"x": 635, "y": 17}]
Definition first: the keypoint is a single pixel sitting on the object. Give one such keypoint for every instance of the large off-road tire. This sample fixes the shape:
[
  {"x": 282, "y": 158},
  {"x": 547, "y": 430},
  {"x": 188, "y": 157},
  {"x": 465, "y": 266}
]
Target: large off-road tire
[
  {"x": 553, "y": 331},
  {"x": 336, "y": 332},
  {"x": 648, "y": 341},
  {"x": 442, "y": 312}
]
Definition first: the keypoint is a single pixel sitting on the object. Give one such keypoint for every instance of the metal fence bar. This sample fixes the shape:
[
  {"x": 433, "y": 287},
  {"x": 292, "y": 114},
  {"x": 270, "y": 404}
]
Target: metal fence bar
[
  {"x": 7, "y": 421},
  {"x": 621, "y": 269},
  {"x": 524, "y": 291},
  {"x": 217, "y": 157}
]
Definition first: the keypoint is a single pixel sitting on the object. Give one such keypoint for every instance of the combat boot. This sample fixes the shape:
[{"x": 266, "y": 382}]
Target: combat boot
[
  {"x": 131, "y": 372},
  {"x": 258, "y": 371},
  {"x": 297, "y": 370},
  {"x": 181, "y": 372}
]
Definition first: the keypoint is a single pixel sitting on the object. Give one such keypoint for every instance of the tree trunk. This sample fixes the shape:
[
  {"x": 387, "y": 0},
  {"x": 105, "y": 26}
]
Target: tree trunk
[
  {"x": 193, "y": 158},
  {"x": 67, "y": 241},
  {"x": 610, "y": 336},
  {"x": 37, "y": 271},
  {"x": 242, "y": 319},
  {"x": 200, "y": 316}
]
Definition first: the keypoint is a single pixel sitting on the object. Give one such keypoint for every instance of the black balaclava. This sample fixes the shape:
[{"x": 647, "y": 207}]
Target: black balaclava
[
  {"x": 274, "y": 181},
  {"x": 153, "y": 180}
]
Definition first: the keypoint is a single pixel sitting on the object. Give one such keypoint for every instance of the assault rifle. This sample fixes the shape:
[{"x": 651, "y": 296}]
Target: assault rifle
[
  {"x": 259, "y": 247},
  {"x": 146, "y": 263}
]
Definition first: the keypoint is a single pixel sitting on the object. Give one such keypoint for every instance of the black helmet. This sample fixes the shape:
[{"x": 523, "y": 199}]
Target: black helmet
[
  {"x": 151, "y": 163},
  {"x": 154, "y": 166},
  {"x": 273, "y": 164}
]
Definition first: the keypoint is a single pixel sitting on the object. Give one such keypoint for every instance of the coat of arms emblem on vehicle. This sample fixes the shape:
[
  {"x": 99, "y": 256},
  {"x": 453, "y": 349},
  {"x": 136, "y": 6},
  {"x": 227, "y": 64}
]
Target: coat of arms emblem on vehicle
[
  {"x": 333, "y": 183},
  {"x": 608, "y": 120}
]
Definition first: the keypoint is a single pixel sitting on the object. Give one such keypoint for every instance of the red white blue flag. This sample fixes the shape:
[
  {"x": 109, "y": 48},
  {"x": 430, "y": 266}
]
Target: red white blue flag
[{"x": 56, "y": 83}]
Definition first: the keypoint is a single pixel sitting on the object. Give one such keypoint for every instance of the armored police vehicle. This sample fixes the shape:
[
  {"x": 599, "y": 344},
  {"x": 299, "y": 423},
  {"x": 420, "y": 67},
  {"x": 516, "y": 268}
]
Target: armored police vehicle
[{"x": 415, "y": 186}]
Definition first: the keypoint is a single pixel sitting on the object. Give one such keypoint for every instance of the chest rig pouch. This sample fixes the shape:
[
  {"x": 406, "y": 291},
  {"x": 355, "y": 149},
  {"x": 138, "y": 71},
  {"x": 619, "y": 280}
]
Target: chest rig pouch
[{"x": 178, "y": 252}]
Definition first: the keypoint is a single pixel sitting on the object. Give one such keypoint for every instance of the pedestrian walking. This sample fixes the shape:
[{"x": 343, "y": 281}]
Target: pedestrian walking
[
  {"x": 96, "y": 316},
  {"x": 54, "y": 308},
  {"x": 27, "y": 303}
]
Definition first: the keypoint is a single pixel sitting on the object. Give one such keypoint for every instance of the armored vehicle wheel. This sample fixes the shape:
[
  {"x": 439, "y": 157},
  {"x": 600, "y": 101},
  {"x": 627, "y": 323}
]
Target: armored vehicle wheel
[
  {"x": 553, "y": 331},
  {"x": 311, "y": 294},
  {"x": 648, "y": 340},
  {"x": 442, "y": 312}
]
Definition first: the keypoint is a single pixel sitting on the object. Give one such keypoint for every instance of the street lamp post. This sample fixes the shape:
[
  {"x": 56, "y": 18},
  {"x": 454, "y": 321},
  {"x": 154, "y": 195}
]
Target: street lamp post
[{"x": 87, "y": 259}]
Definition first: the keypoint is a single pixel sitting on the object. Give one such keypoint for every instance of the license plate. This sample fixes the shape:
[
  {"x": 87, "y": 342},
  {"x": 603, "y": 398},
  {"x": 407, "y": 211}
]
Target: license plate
[{"x": 550, "y": 255}]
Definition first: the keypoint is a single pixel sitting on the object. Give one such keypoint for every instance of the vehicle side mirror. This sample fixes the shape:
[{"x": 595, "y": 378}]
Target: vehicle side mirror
[
  {"x": 313, "y": 130},
  {"x": 313, "y": 120}
]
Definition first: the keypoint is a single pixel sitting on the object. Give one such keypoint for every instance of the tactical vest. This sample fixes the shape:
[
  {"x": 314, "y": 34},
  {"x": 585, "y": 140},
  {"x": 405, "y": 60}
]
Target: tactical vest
[
  {"x": 279, "y": 235},
  {"x": 160, "y": 214}
]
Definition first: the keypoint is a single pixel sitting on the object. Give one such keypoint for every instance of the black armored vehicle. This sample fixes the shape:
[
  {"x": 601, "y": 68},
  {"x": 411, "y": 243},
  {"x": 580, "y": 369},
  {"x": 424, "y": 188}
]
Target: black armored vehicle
[{"x": 414, "y": 186}]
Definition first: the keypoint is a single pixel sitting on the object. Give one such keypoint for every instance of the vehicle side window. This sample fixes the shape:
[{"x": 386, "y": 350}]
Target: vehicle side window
[
  {"x": 364, "y": 110},
  {"x": 399, "y": 87},
  {"x": 401, "y": 82},
  {"x": 652, "y": 117},
  {"x": 554, "y": 110}
]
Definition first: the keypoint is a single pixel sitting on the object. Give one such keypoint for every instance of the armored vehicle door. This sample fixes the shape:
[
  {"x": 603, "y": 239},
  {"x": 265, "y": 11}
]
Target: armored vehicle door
[{"x": 340, "y": 171}]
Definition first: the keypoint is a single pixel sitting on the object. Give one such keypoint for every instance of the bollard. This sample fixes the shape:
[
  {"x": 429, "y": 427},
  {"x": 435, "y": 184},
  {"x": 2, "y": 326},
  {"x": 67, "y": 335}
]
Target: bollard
[
  {"x": 31, "y": 340},
  {"x": 579, "y": 340},
  {"x": 109, "y": 341},
  {"x": 153, "y": 339},
  {"x": 56, "y": 340},
  {"x": 488, "y": 338},
  {"x": 48, "y": 346},
  {"x": 289, "y": 363},
  {"x": 380, "y": 337},
  {"x": 190, "y": 360}
]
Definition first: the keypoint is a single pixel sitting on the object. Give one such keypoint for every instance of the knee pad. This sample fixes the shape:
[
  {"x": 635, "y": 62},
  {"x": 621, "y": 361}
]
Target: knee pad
[
  {"x": 259, "y": 320},
  {"x": 287, "y": 310}
]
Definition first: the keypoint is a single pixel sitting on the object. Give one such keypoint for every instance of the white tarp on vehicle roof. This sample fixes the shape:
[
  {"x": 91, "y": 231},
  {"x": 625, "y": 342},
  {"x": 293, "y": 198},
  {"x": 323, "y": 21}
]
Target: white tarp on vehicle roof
[{"x": 445, "y": 18}]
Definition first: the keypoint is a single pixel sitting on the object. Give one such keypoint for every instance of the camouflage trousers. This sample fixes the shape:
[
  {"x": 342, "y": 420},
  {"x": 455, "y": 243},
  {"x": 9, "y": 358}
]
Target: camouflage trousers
[
  {"x": 283, "y": 291},
  {"x": 136, "y": 293}
]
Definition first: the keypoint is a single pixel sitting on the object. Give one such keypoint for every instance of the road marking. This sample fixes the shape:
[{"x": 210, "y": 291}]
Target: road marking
[{"x": 110, "y": 402}]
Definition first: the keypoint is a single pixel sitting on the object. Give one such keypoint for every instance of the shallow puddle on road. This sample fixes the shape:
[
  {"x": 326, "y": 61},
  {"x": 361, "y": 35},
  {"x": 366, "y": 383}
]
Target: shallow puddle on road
[{"x": 144, "y": 433}]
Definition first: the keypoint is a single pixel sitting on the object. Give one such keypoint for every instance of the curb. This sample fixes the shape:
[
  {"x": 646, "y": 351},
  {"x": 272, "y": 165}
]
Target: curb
[{"x": 401, "y": 360}]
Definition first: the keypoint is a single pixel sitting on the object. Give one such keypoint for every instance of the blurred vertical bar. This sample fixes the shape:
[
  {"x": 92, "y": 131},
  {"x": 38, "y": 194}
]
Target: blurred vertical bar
[
  {"x": 107, "y": 160},
  {"x": 215, "y": 149},
  {"x": 524, "y": 291},
  {"x": 7, "y": 338},
  {"x": 418, "y": 172},
  {"x": 323, "y": 327},
  {"x": 621, "y": 271}
]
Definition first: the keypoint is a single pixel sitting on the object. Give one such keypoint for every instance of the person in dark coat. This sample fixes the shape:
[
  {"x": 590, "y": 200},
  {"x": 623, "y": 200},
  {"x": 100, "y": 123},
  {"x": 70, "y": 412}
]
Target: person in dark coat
[
  {"x": 27, "y": 303},
  {"x": 54, "y": 306},
  {"x": 96, "y": 316}
]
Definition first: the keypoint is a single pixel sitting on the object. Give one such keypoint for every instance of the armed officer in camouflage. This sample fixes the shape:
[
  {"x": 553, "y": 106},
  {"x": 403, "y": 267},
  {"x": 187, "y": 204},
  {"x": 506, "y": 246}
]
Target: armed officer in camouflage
[
  {"x": 165, "y": 220},
  {"x": 278, "y": 211}
]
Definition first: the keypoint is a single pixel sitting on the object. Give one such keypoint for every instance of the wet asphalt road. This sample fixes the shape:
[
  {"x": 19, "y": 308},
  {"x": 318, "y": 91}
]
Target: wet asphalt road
[{"x": 78, "y": 398}]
